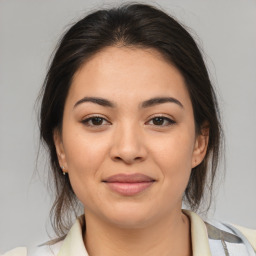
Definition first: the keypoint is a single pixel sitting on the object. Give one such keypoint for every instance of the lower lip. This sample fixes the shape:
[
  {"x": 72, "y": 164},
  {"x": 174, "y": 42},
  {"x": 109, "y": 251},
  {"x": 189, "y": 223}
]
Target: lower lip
[{"x": 129, "y": 189}]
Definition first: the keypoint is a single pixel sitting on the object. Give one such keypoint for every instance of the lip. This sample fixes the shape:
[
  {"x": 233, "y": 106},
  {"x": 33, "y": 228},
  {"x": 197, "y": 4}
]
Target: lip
[{"x": 129, "y": 184}]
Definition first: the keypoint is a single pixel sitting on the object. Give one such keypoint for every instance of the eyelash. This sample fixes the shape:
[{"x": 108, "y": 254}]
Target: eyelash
[
  {"x": 87, "y": 120},
  {"x": 165, "y": 119}
]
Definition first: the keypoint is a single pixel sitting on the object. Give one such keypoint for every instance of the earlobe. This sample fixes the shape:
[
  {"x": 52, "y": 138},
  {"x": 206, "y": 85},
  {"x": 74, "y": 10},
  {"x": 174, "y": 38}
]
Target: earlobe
[
  {"x": 200, "y": 147},
  {"x": 59, "y": 147}
]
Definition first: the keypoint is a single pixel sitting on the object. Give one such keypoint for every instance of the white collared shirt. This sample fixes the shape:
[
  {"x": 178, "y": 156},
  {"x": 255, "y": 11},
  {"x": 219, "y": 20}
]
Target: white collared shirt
[{"x": 209, "y": 238}]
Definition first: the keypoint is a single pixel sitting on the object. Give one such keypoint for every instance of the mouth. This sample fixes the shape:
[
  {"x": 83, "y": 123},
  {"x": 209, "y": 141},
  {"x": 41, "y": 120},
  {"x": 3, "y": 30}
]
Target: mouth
[{"x": 129, "y": 184}]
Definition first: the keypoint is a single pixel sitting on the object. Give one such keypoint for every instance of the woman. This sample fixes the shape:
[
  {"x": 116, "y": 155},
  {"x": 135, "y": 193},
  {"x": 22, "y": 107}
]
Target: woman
[{"x": 131, "y": 122}]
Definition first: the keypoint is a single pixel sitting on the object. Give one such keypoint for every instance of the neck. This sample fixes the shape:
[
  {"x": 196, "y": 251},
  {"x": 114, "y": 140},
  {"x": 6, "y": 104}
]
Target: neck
[{"x": 170, "y": 236}]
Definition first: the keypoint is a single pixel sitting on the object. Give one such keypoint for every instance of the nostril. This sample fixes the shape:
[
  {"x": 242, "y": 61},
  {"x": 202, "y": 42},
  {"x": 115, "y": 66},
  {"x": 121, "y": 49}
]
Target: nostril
[
  {"x": 127, "y": 159},
  {"x": 118, "y": 158}
]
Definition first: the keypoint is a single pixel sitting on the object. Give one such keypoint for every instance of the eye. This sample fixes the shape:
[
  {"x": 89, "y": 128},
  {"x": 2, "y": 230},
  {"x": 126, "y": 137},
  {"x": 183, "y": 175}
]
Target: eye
[
  {"x": 95, "y": 121},
  {"x": 161, "y": 121}
]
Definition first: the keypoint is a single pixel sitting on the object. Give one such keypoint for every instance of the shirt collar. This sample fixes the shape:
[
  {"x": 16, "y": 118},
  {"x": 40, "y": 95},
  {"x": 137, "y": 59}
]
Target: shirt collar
[
  {"x": 199, "y": 235},
  {"x": 73, "y": 243}
]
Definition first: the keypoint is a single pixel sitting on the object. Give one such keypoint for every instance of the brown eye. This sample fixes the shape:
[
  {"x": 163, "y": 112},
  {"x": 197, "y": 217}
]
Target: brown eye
[
  {"x": 158, "y": 121},
  {"x": 161, "y": 121},
  {"x": 95, "y": 121}
]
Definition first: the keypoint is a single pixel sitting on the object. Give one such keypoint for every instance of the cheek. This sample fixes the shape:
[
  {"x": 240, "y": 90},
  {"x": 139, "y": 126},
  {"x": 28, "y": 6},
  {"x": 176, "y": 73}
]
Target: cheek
[
  {"x": 83, "y": 150},
  {"x": 84, "y": 157},
  {"x": 173, "y": 154},
  {"x": 175, "y": 149}
]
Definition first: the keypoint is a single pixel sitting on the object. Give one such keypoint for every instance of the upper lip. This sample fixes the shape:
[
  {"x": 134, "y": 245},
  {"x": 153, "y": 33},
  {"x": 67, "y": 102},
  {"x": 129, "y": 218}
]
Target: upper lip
[{"x": 129, "y": 178}]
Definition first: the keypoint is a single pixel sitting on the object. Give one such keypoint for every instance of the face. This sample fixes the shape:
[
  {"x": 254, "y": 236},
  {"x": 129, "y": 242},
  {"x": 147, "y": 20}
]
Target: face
[{"x": 128, "y": 140}]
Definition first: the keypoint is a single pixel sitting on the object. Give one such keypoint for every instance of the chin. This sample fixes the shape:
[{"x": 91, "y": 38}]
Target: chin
[{"x": 130, "y": 216}]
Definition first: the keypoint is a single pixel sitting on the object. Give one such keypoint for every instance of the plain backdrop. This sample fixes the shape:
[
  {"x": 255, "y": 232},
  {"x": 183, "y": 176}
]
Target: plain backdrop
[{"x": 29, "y": 31}]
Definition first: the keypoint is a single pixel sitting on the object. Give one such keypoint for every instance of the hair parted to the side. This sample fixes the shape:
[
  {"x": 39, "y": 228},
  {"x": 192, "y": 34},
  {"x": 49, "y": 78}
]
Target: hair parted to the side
[{"x": 129, "y": 25}]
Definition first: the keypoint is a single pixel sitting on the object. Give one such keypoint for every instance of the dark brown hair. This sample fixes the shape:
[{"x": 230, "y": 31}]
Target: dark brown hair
[{"x": 130, "y": 25}]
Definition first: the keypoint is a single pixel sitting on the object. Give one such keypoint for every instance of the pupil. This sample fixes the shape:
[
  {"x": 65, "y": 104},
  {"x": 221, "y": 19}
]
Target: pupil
[
  {"x": 158, "y": 120},
  {"x": 97, "y": 120}
]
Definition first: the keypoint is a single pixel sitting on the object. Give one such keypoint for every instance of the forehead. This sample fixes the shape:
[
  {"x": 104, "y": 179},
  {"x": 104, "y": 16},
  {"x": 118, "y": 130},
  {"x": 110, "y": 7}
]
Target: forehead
[{"x": 128, "y": 73}]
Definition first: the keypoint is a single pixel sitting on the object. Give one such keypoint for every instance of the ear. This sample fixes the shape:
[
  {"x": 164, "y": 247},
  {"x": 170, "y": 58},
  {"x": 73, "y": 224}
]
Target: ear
[
  {"x": 59, "y": 149},
  {"x": 201, "y": 144}
]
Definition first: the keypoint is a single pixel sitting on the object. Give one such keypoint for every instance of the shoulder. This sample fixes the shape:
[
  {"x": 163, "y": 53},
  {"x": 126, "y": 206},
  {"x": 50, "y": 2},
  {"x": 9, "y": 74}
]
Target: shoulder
[
  {"x": 232, "y": 235},
  {"x": 69, "y": 244},
  {"x": 219, "y": 238},
  {"x": 47, "y": 249},
  {"x": 19, "y": 251},
  {"x": 250, "y": 234},
  {"x": 41, "y": 250}
]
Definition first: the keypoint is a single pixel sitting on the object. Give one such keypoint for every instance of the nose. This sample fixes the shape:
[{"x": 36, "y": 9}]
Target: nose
[{"x": 128, "y": 145}]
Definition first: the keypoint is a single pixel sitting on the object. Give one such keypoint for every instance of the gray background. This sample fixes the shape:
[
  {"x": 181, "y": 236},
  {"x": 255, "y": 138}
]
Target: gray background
[{"x": 29, "y": 30}]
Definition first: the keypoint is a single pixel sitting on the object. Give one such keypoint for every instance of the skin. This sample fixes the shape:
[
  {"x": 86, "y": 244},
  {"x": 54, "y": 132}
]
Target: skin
[{"x": 129, "y": 140}]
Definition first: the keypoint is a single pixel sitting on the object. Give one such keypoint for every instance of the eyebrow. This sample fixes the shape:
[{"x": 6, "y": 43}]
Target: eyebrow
[
  {"x": 99, "y": 101},
  {"x": 145, "y": 104},
  {"x": 160, "y": 100}
]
